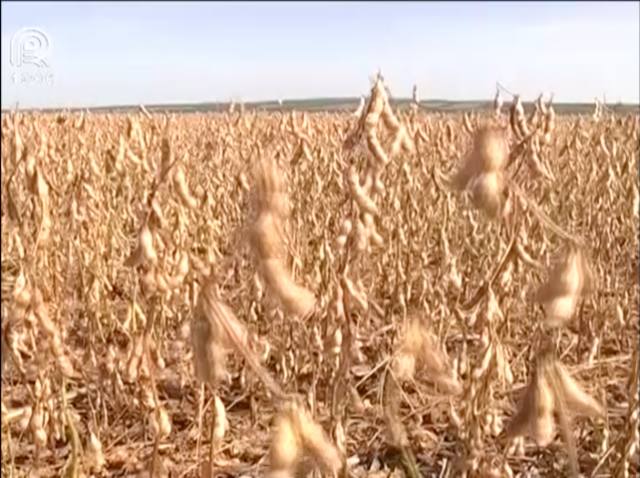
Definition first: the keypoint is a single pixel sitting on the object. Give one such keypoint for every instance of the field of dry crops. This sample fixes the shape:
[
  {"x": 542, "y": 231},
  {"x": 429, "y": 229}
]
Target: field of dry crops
[{"x": 386, "y": 293}]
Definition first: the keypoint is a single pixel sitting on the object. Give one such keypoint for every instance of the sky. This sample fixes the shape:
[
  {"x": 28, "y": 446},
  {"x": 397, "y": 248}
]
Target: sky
[{"x": 107, "y": 53}]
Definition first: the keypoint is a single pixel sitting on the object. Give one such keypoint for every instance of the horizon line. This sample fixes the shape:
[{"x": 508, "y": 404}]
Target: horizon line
[{"x": 337, "y": 100}]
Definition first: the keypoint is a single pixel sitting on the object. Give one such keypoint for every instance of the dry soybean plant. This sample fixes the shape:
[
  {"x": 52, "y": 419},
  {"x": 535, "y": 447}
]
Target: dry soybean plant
[{"x": 376, "y": 324}]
